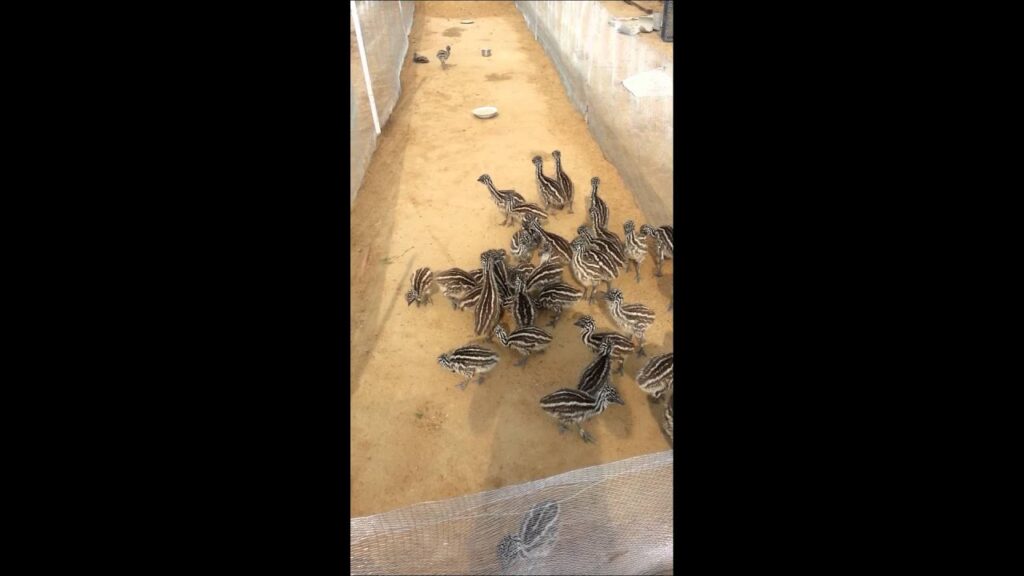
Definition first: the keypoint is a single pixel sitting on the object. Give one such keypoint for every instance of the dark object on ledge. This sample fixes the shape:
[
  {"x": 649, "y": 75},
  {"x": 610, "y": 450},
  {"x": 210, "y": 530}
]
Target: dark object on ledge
[
  {"x": 631, "y": 3},
  {"x": 667, "y": 21}
]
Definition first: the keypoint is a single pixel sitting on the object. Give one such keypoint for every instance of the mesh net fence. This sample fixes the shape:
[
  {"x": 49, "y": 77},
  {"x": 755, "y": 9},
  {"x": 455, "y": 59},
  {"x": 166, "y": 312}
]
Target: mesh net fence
[
  {"x": 609, "y": 519},
  {"x": 384, "y": 29}
]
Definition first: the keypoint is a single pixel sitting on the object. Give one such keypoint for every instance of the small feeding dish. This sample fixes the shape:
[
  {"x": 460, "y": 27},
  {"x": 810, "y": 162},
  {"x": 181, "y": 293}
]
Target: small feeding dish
[{"x": 485, "y": 112}]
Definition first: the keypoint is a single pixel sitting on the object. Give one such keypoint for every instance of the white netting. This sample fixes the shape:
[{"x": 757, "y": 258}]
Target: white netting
[
  {"x": 385, "y": 30},
  {"x": 611, "y": 519}
]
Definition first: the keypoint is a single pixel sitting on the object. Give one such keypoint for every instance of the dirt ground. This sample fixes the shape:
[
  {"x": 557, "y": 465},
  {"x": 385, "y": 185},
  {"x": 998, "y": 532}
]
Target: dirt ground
[{"x": 415, "y": 436}]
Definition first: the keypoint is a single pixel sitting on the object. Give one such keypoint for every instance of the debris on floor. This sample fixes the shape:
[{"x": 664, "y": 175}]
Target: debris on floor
[
  {"x": 430, "y": 417},
  {"x": 631, "y": 26}
]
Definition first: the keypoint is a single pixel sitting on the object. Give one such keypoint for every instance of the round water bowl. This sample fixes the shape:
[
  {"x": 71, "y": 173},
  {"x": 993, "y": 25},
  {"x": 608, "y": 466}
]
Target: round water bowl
[{"x": 485, "y": 112}]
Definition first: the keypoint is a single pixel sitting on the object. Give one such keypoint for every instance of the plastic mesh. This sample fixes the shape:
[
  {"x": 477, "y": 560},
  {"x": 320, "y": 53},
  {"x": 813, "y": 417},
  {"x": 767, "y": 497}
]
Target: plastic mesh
[
  {"x": 385, "y": 29},
  {"x": 609, "y": 519}
]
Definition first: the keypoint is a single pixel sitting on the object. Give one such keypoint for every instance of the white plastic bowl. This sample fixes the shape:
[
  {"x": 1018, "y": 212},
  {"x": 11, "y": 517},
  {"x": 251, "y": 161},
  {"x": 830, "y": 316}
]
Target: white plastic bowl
[{"x": 485, "y": 112}]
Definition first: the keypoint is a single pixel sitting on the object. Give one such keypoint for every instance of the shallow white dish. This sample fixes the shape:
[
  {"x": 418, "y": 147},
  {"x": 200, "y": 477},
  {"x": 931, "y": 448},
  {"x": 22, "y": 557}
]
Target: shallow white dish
[
  {"x": 485, "y": 112},
  {"x": 467, "y": 22}
]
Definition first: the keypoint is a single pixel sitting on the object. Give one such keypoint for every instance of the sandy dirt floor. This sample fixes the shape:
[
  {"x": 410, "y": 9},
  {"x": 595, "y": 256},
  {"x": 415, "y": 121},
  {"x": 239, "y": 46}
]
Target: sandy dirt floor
[{"x": 415, "y": 436}]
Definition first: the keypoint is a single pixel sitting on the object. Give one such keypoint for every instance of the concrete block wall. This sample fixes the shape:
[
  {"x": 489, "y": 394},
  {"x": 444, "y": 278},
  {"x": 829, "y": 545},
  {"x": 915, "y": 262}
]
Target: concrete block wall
[{"x": 593, "y": 59}]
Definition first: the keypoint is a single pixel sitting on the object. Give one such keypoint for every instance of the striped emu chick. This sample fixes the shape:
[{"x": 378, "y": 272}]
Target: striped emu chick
[
  {"x": 546, "y": 252},
  {"x": 636, "y": 246},
  {"x": 520, "y": 210},
  {"x": 524, "y": 269},
  {"x": 666, "y": 425},
  {"x": 585, "y": 267},
  {"x": 539, "y": 529},
  {"x": 469, "y": 361},
  {"x": 596, "y": 208},
  {"x": 598, "y": 212},
  {"x": 664, "y": 244},
  {"x": 469, "y": 298},
  {"x": 544, "y": 275},
  {"x": 443, "y": 55},
  {"x": 589, "y": 269},
  {"x": 575, "y": 407},
  {"x": 563, "y": 179},
  {"x": 520, "y": 272},
  {"x": 610, "y": 248},
  {"x": 536, "y": 232},
  {"x": 534, "y": 539},
  {"x": 510, "y": 551},
  {"x": 656, "y": 377},
  {"x": 420, "y": 292},
  {"x": 547, "y": 188},
  {"x": 554, "y": 245},
  {"x": 598, "y": 252},
  {"x": 523, "y": 244},
  {"x": 500, "y": 271},
  {"x": 599, "y": 374},
  {"x": 501, "y": 198},
  {"x": 556, "y": 298},
  {"x": 526, "y": 341},
  {"x": 633, "y": 318},
  {"x": 599, "y": 232},
  {"x": 621, "y": 345},
  {"x": 523, "y": 309},
  {"x": 487, "y": 310},
  {"x": 455, "y": 282}
]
